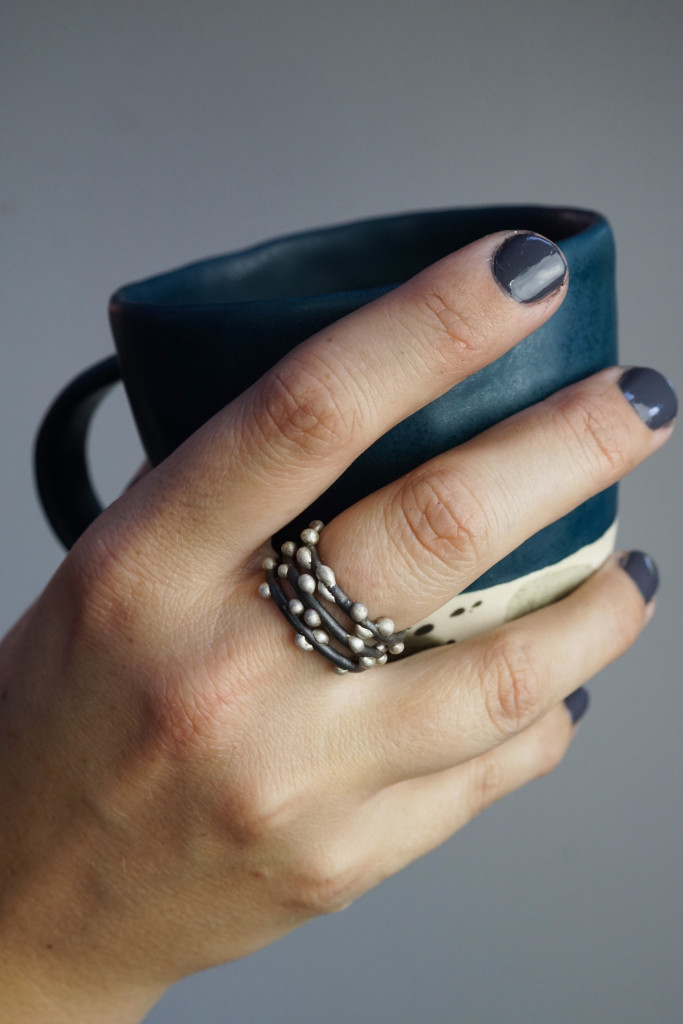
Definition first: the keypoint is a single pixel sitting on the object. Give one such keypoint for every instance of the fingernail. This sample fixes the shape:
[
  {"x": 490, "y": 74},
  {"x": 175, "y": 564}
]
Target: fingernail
[
  {"x": 577, "y": 704},
  {"x": 643, "y": 571},
  {"x": 528, "y": 267},
  {"x": 650, "y": 394}
]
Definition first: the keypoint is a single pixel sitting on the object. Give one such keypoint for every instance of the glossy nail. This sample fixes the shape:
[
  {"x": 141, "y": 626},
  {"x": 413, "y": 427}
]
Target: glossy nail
[
  {"x": 643, "y": 571},
  {"x": 577, "y": 704},
  {"x": 528, "y": 267},
  {"x": 651, "y": 395}
]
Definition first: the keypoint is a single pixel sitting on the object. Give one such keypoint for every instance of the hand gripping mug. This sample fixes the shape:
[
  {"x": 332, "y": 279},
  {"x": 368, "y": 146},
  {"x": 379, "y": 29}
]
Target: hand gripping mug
[{"x": 190, "y": 340}]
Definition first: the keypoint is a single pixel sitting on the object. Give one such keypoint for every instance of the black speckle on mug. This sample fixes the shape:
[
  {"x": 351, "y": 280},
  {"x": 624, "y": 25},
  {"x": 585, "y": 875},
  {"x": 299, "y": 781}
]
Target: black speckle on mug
[
  {"x": 476, "y": 604},
  {"x": 458, "y": 611},
  {"x": 450, "y": 641},
  {"x": 423, "y": 630}
]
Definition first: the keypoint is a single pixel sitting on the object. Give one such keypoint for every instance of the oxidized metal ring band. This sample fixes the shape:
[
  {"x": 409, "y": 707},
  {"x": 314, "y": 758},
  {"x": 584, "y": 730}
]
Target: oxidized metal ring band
[{"x": 306, "y": 591}]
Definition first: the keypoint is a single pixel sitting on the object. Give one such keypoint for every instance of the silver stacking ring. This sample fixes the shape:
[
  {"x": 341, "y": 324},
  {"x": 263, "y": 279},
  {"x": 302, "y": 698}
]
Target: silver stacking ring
[{"x": 305, "y": 590}]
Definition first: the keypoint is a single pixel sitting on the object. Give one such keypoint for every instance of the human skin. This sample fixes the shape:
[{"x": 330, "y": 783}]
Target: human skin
[{"x": 179, "y": 784}]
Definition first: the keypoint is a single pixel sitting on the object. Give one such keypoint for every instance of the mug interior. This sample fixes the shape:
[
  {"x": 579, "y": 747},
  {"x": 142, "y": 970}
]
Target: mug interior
[{"x": 367, "y": 254}]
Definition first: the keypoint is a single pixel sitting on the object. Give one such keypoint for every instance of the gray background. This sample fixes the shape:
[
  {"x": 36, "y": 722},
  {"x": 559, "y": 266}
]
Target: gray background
[{"x": 136, "y": 136}]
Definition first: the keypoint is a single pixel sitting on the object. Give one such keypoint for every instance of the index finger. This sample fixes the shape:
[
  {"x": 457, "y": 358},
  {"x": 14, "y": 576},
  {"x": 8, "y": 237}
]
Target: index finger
[{"x": 264, "y": 458}]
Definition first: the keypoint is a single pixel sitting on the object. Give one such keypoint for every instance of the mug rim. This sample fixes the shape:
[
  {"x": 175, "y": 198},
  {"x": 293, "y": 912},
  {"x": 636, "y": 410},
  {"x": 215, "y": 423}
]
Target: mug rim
[{"x": 125, "y": 297}]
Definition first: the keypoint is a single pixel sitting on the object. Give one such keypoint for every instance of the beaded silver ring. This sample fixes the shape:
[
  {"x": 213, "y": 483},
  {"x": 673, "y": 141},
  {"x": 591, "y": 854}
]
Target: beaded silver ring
[{"x": 312, "y": 589}]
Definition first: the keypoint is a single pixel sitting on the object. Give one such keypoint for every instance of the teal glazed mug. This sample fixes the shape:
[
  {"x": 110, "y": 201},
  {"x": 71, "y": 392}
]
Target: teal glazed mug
[{"x": 190, "y": 340}]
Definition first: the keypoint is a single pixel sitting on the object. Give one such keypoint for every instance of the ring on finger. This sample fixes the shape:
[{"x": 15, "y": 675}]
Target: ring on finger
[{"x": 311, "y": 591}]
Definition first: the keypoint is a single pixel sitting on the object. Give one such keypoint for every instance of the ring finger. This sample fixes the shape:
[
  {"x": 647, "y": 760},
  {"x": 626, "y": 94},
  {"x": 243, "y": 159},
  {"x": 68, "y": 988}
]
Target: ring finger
[{"x": 439, "y": 528}]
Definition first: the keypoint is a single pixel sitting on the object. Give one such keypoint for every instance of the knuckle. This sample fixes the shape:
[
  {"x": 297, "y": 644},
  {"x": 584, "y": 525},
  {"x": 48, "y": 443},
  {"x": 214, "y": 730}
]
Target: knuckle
[
  {"x": 551, "y": 746},
  {"x": 511, "y": 681},
  {"x": 487, "y": 782},
  {"x": 104, "y": 579},
  {"x": 441, "y": 521},
  {"x": 252, "y": 819},
  {"x": 324, "y": 881},
  {"x": 593, "y": 434},
  {"x": 120, "y": 584},
  {"x": 265, "y": 818},
  {"x": 436, "y": 318},
  {"x": 257, "y": 808},
  {"x": 311, "y": 407}
]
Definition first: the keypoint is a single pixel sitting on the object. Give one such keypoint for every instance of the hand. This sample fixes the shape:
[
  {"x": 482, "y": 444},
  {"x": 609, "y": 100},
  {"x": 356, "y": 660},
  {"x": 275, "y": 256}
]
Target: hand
[{"x": 180, "y": 785}]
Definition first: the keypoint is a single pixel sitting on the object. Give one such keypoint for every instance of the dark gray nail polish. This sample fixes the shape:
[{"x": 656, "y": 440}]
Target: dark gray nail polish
[
  {"x": 642, "y": 571},
  {"x": 528, "y": 267},
  {"x": 650, "y": 394},
  {"x": 577, "y": 704}
]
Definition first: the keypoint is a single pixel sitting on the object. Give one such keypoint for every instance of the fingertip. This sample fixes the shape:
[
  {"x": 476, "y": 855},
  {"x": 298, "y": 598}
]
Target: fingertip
[
  {"x": 577, "y": 704},
  {"x": 643, "y": 571},
  {"x": 529, "y": 267}
]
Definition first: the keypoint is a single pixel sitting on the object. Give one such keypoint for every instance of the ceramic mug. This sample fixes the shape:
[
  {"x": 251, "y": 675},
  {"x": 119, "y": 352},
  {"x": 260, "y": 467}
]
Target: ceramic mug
[{"x": 190, "y": 340}]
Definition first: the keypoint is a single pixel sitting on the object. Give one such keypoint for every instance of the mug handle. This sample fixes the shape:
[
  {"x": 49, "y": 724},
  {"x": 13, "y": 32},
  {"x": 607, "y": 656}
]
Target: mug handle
[{"x": 60, "y": 464}]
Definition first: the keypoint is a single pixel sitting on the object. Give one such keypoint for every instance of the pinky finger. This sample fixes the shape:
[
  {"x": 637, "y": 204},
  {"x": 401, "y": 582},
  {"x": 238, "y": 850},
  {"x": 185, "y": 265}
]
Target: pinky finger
[{"x": 411, "y": 818}]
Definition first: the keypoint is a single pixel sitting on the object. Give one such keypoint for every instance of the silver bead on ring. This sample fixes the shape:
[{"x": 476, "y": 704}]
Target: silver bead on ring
[{"x": 312, "y": 591}]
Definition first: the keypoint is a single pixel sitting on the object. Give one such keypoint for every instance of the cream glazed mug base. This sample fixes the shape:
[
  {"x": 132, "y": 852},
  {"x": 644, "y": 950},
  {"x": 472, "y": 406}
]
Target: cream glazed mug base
[{"x": 478, "y": 611}]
